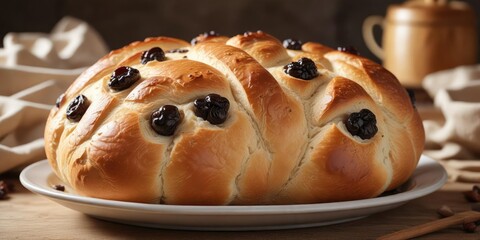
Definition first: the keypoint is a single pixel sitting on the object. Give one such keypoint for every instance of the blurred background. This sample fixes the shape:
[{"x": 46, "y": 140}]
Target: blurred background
[{"x": 331, "y": 22}]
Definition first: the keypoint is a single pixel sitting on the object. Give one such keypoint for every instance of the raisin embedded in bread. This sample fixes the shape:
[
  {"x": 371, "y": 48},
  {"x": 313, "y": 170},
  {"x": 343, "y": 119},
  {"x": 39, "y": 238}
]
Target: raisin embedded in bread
[{"x": 241, "y": 120}]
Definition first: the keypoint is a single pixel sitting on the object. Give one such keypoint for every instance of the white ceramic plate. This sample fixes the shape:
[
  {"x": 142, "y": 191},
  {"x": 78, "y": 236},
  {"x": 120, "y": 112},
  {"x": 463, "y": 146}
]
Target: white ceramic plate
[{"x": 427, "y": 178}]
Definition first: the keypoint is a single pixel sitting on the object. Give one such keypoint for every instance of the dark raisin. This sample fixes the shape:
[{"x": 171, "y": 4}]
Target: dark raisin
[
  {"x": 362, "y": 124},
  {"x": 3, "y": 194},
  {"x": 4, "y": 190},
  {"x": 177, "y": 50},
  {"x": 348, "y": 49},
  {"x": 59, "y": 187},
  {"x": 204, "y": 35},
  {"x": 155, "y": 53},
  {"x": 249, "y": 33},
  {"x": 469, "y": 227},
  {"x": 292, "y": 44},
  {"x": 59, "y": 100},
  {"x": 473, "y": 195},
  {"x": 213, "y": 108},
  {"x": 411, "y": 94},
  {"x": 123, "y": 77},
  {"x": 304, "y": 69},
  {"x": 445, "y": 211},
  {"x": 7, "y": 186},
  {"x": 77, "y": 108},
  {"x": 165, "y": 120}
]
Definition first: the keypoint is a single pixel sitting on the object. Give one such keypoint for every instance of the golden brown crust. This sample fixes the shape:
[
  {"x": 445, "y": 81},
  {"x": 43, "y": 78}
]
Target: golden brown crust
[
  {"x": 108, "y": 63},
  {"x": 275, "y": 113},
  {"x": 267, "y": 50},
  {"x": 211, "y": 36},
  {"x": 339, "y": 168},
  {"x": 284, "y": 139},
  {"x": 207, "y": 162},
  {"x": 316, "y": 48},
  {"x": 124, "y": 170}
]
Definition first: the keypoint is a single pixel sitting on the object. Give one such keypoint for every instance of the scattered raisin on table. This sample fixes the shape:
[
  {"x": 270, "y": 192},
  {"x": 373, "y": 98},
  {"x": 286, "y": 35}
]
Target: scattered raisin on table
[
  {"x": 445, "y": 211},
  {"x": 469, "y": 227},
  {"x": 5, "y": 189},
  {"x": 123, "y": 77},
  {"x": 362, "y": 124},
  {"x": 213, "y": 108},
  {"x": 474, "y": 194},
  {"x": 3, "y": 194},
  {"x": 165, "y": 120}
]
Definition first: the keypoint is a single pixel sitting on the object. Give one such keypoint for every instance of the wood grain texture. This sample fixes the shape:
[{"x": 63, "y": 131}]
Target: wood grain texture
[
  {"x": 433, "y": 226},
  {"x": 29, "y": 216}
]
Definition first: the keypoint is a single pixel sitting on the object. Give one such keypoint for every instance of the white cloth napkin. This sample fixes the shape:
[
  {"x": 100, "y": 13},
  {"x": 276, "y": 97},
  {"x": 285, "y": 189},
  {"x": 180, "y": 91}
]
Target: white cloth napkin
[
  {"x": 452, "y": 126},
  {"x": 35, "y": 68}
]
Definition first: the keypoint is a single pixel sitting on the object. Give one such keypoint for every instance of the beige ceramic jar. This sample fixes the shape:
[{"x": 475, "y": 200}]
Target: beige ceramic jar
[{"x": 421, "y": 37}]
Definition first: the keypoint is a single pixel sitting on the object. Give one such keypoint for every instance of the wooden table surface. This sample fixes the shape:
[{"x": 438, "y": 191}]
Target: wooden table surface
[{"x": 25, "y": 215}]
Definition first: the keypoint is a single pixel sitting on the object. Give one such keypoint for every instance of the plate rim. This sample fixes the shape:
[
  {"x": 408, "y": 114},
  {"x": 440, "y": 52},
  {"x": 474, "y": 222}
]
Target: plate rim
[{"x": 238, "y": 209}]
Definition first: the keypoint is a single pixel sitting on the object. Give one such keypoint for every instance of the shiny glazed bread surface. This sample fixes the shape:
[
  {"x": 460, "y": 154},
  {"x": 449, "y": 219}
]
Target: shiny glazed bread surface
[{"x": 284, "y": 141}]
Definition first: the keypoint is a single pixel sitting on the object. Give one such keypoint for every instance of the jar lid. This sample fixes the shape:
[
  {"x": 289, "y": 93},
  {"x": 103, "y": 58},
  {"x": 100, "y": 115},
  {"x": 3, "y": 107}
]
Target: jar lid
[{"x": 431, "y": 11}]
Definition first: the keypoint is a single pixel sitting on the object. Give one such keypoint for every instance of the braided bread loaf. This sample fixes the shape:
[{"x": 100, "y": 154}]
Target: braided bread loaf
[{"x": 243, "y": 120}]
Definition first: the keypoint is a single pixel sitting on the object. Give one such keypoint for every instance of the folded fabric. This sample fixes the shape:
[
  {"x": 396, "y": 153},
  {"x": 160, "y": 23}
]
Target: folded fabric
[
  {"x": 452, "y": 125},
  {"x": 35, "y": 68}
]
